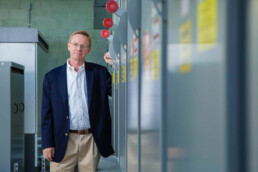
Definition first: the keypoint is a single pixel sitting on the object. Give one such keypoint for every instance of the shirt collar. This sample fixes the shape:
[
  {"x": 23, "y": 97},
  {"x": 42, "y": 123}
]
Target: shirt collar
[{"x": 71, "y": 68}]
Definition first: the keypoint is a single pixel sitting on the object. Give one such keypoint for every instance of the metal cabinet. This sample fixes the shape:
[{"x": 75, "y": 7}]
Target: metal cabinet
[
  {"x": 196, "y": 118},
  {"x": 12, "y": 117},
  {"x": 27, "y": 47}
]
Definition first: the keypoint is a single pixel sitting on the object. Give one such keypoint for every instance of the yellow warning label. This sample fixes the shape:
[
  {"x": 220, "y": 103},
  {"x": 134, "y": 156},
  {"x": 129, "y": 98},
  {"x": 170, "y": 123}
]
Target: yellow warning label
[
  {"x": 131, "y": 69},
  {"x": 185, "y": 48},
  {"x": 146, "y": 64},
  {"x": 123, "y": 73},
  {"x": 135, "y": 66},
  {"x": 207, "y": 24},
  {"x": 117, "y": 78},
  {"x": 155, "y": 64},
  {"x": 113, "y": 78}
]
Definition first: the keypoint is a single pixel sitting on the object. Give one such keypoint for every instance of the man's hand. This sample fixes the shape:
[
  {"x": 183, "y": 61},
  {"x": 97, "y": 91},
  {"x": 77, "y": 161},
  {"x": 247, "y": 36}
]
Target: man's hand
[
  {"x": 49, "y": 153},
  {"x": 107, "y": 58}
]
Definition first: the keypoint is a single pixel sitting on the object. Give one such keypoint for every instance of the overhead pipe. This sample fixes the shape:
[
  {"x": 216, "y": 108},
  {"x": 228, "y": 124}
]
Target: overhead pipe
[{"x": 29, "y": 15}]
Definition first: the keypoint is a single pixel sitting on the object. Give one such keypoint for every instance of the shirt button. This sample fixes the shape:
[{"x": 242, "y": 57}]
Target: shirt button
[
  {"x": 67, "y": 117},
  {"x": 66, "y": 134}
]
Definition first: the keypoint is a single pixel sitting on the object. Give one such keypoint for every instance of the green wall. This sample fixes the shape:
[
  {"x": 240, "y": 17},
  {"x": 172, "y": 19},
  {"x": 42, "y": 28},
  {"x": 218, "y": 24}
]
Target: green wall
[{"x": 56, "y": 20}]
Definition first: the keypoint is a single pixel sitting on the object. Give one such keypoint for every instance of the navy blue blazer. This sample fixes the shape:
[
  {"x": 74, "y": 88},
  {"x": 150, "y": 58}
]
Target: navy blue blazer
[{"x": 54, "y": 121}]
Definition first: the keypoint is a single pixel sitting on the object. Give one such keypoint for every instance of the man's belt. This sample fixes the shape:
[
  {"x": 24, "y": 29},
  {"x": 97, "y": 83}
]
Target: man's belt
[{"x": 86, "y": 131}]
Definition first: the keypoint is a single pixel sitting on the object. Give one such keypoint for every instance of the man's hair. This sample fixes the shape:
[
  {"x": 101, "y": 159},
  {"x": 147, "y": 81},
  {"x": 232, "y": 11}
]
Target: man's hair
[{"x": 81, "y": 32}]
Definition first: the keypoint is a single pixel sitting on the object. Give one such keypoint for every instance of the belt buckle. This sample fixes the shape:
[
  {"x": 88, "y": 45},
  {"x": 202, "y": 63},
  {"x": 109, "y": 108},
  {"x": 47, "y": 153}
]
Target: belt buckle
[{"x": 81, "y": 131}]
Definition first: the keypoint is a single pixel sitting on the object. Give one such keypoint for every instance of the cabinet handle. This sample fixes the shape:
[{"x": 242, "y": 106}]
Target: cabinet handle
[
  {"x": 15, "y": 108},
  {"x": 21, "y": 107}
]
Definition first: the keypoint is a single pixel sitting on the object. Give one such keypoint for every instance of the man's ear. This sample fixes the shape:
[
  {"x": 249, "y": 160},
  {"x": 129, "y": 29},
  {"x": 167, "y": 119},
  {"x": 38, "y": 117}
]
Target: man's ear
[{"x": 68, "y": 46}]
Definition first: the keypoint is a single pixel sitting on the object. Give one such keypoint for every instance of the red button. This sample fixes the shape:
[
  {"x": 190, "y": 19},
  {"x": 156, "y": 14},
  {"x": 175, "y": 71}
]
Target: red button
[
  {"x": 107, "y": 22},
  {"x": 111, "y": 6},
  {"x": 105, "y": 33}
]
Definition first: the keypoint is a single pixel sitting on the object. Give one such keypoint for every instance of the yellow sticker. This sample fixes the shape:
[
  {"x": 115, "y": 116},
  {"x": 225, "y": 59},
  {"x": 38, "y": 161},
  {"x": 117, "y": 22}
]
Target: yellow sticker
[
  {"x": 123, "y": 73},
  {"x": 113, "y": 78},
  {"x": 185, "y": 48},
  {"x": 135, "y": 66},
  {"x": 155, "y": 64},
  {"x": 185, "y": 68},
  {"x": 131, "y": 69},
  {"x": 117, "y": 78},
  {"x": 146, "y": 65},
  {"x": 207, "y": 24}
]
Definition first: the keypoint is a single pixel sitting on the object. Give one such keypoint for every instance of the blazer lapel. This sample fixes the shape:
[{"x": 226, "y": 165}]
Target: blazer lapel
[
  {"x": 90, "y": 82},
  {"x": 62, "y": 77}
]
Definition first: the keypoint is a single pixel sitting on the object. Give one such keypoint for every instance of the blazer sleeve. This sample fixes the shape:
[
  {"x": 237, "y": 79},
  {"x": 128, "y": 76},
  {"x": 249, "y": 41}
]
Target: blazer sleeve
[
  {"x": 47, "y": 132},
  {"x": 109, "y": 83}
]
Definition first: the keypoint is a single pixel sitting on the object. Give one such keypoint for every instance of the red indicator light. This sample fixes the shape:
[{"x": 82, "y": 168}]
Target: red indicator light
[
  {"x": 105, "y": 33},
  {"x": 107, "y": 22},
  {"x": 111, "y": 6}
]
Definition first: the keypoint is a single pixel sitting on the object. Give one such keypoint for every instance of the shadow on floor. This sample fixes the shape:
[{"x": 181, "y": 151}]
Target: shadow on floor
[{"x": 109, "y": 164}]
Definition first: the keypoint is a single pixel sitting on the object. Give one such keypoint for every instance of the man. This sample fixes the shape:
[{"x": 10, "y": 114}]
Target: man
[{"x": 76, "y": 123}]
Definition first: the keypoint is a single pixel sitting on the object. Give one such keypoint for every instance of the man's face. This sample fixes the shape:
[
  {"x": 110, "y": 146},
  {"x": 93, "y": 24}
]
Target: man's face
[{"x": 79, "y": 47}]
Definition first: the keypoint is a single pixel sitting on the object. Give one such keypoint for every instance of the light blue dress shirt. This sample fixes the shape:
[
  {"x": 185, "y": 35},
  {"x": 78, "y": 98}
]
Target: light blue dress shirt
[{"x": 77, "y": 98}]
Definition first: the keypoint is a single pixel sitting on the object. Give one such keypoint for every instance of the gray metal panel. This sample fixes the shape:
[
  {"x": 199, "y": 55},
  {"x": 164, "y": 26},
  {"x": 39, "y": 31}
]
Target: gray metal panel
[
  {"x": 17, "y": 121},
  {"x": 114, "y": 105},
  {"x": 9, "y": 34},
  {"x": 24, "y": 54},
  {"x": 119, "y": 44},
  {"x": 15, "y": 35},
  {"x": 5, "y": 122},
  {"x": 134, "y": 14},
  {"x": 117, "y": 49},
  {"x": 122, "y": 29},
  {"x": 132, "y": 105},
  {"x": 41, "y": 67},
  {"x": 122, "y": 112},
  {"x": 252, "y": 87},
  {"x": 12, "y": 114},
  {"x": 112, "y": 51},
  {"x": 196, "y": 118},
  {"x": 116, "y": 43},
  {"x": 150, "y": 87},
  {"x": 18, "y": 34},
  {"x": 117, "y": 104}
]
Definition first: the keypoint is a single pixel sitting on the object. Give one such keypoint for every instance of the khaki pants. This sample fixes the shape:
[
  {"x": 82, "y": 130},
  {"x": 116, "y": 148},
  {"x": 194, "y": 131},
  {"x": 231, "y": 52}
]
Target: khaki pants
[{"x": 81, "y": 150}]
